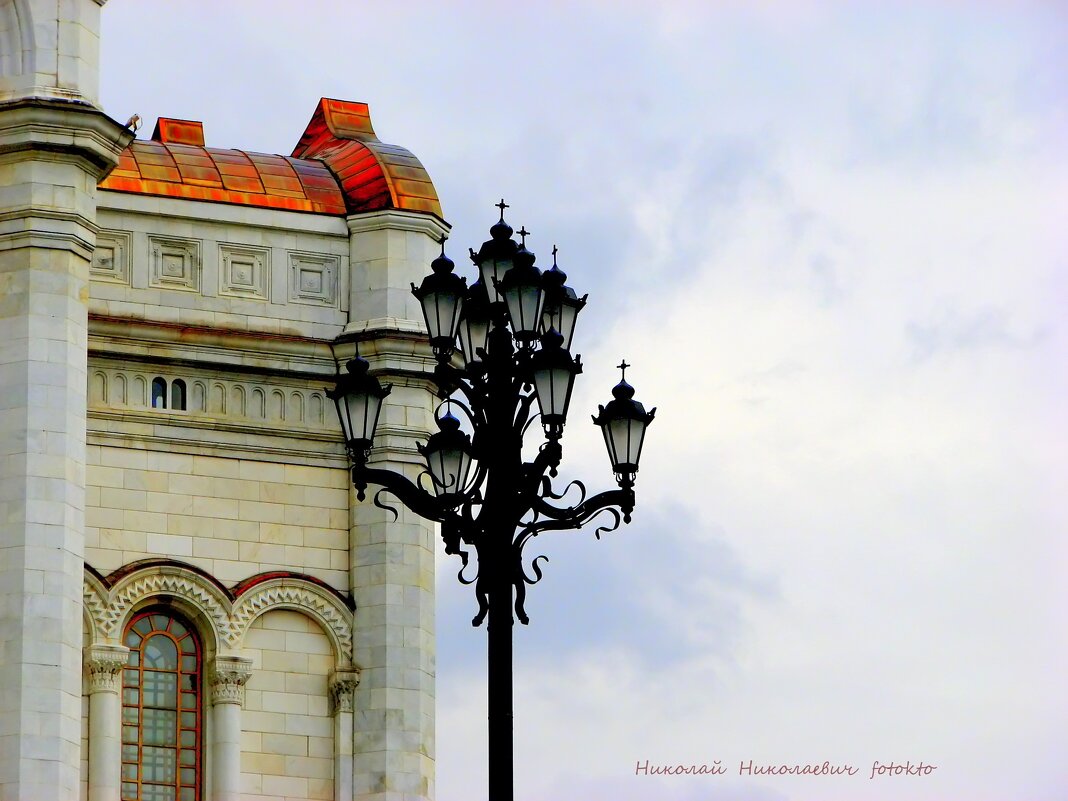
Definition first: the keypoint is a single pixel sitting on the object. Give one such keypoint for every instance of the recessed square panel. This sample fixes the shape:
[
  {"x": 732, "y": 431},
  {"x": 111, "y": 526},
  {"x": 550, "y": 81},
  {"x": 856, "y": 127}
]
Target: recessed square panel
[
  {"x": 244, "y": 271},
  {"x": 174, "y": 263},
  {"x": 313, "y": 278},
  {"x": 111, "y": 258},
  {"x": 311, "y": 281},
  {"x": 241, "y": 273}
]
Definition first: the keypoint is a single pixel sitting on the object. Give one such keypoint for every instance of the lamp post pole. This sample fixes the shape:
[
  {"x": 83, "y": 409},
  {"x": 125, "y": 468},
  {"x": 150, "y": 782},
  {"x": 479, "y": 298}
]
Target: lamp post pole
[{"x": 514, "y": 326}]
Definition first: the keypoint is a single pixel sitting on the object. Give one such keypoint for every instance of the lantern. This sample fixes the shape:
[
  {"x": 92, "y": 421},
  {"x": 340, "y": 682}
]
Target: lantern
[
  {"x": 358, "y": 397},
  {"x": 553, "y": 371},
  {"x": 623, "y": 422},
  {"x": 442, "y": 296},
  {"x": 448, "y": 458}
]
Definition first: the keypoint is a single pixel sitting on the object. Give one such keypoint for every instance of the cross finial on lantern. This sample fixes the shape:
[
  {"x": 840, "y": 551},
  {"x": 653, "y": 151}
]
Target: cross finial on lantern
[
  {"x": 523, "y": 232},
  {"x": 555, "y": 249},
  {"x": 442, "y": 243},
  {"x": 623, "y": 369},
  {"x": 502, "y": 206}
]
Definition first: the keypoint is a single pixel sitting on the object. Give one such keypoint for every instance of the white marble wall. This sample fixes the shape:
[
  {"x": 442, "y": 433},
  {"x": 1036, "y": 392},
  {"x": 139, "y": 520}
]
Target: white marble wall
[
  {"x": 50, "y": 49},
  {"x": 52, "y": 157}
]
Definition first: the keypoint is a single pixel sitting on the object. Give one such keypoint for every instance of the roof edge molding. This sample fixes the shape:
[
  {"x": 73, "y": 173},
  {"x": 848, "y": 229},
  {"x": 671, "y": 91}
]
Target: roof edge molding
[{"x": 373, "y": 175}]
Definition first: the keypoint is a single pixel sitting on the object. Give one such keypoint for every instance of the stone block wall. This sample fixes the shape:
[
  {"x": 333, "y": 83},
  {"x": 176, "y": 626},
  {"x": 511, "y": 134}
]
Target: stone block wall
[
  {"x": 287, "y": 746},
  {"x": 234, "y": 518}
]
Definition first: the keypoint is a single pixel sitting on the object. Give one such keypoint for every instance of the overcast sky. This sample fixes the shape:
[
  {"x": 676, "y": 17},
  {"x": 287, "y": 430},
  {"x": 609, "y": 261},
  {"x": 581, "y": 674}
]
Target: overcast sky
[{"x": 832, "y": 240}]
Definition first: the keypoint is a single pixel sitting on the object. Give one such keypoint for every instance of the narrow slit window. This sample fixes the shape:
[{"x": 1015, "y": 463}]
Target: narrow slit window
[
  {"x": 159, "y": 393},
  {"x": 178, "y": 394}
]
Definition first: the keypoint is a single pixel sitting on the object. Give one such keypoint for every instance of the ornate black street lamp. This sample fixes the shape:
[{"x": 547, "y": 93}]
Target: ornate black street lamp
[{"x": 515, "y": 326}]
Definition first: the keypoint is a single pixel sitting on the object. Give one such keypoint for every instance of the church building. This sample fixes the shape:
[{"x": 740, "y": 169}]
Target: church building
[{"x": 193, "y": 604}]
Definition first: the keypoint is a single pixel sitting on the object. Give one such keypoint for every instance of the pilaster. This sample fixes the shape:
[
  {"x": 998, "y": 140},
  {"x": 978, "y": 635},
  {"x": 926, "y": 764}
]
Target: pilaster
[
  {"x": 388, "y": 251},
  {"x": 393, "y": 556},
  {"x": 52, "y": 154}
]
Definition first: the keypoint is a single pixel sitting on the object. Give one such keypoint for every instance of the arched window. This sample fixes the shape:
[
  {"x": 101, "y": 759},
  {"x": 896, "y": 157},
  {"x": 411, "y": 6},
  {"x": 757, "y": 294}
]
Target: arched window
[
  {"x": 159, "y": 393},
  {"x": 162, "y": 757},
  {"x": 178, "y": 394}
]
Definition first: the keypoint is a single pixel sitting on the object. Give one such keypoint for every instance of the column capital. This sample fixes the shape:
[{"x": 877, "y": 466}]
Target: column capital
[
  {"x": 227, "y": 679},
  {"x": 343, "y": 684},
  {"x": 103, "y": 665}
]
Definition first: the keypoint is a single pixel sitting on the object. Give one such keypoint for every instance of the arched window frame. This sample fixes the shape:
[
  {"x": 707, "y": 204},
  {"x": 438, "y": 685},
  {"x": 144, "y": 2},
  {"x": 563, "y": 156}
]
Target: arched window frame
[
  {"x": 159, "y": 393},
  {"x": 188, "y": 730},
  {"x": 178, "y": 394}
]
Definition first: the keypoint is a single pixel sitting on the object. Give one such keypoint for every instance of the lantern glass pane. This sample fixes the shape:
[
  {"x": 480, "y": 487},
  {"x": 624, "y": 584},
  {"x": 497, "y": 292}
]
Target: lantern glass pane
[
  {"x": 441, "y": 310},
  {"x": 343, "y": 418},
  {"x": 609, "y": 444},
  {"x": 562, "y": 318},
  {"x": 553, "y": 387},
  {"x": 474, "y": 331},
  {"x": 624, "y": 436},
  {"x": 568, "y": 315},
  {"x": 524, "y": 307},
  {"x": 494, "y": 269},
  {"x": 449, "y": 468},
  {"x": 361, "y": 410}
]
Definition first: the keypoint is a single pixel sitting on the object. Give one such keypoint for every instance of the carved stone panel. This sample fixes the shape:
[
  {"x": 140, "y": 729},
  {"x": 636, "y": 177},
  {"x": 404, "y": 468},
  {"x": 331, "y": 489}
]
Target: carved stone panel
[
  {"x": 313, "y": 278},
  {"x": 111, "y": 259},
  {"x": 174, "y": 263},
  {"x": 244, "y": 271}
]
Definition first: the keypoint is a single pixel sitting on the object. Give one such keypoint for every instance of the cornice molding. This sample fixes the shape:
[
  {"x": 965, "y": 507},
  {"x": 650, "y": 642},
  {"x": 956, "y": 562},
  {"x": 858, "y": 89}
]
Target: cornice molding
[
  {"x": 63, "y": 127},
  {"x": 395, "y": 220}
]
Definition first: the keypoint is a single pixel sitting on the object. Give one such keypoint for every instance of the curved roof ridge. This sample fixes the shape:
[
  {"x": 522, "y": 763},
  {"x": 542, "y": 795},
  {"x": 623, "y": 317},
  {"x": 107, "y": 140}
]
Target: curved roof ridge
[{"x": 373, "y": 174}]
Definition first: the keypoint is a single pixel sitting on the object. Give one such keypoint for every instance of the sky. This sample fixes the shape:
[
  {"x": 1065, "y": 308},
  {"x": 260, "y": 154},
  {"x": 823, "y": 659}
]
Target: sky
[{"x": 831, "y": 239}]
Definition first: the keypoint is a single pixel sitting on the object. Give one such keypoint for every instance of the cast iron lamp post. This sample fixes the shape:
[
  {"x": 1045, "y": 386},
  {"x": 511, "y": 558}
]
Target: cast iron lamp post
[{"x": 515, "y": 326}]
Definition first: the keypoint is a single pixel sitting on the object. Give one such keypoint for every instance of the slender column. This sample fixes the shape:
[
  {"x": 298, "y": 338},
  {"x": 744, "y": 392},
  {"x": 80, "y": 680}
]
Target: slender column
[
  {"x": 342, "y": 685},
  {"x": 228, "y": 677},
  {"x": 104, "y": 664}
]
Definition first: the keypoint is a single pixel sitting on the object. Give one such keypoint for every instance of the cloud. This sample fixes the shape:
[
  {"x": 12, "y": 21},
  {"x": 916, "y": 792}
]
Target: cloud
[
  {"x": 984, "y": 328},
  {"x": 831, "y": 240}
]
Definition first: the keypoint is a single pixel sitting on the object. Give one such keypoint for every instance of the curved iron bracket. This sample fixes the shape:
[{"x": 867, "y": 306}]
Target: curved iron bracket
[{"x": 418, "y": 500}]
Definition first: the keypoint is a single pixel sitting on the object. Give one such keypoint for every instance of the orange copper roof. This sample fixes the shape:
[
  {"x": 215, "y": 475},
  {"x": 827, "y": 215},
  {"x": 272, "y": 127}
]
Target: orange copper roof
[
  {"x": 331, "y": 170},
  {"x": 373, "y": 175}
]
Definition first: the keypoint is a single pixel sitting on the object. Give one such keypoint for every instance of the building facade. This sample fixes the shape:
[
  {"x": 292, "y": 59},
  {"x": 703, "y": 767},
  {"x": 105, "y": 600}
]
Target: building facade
[{"x": 193, "y": 605}]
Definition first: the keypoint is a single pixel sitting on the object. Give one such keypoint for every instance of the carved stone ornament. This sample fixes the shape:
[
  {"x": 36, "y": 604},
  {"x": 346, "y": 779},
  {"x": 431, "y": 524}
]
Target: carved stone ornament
[
  {"x": 343, "y": 684},
  {"x": 108, "y": 608},
  {"x": 103, "y": 666},
  {"x": 228, "y": 677}
]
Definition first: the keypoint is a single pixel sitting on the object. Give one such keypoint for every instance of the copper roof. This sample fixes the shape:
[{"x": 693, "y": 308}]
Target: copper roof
[
  {"x": 338, "y": 167},
  {"x": 373, "y": 175}
]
